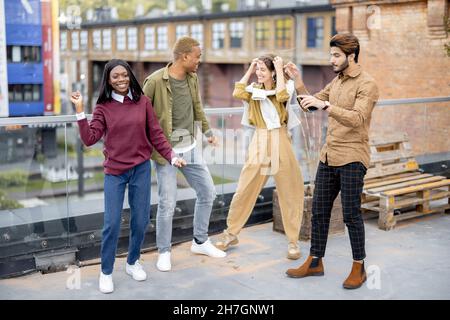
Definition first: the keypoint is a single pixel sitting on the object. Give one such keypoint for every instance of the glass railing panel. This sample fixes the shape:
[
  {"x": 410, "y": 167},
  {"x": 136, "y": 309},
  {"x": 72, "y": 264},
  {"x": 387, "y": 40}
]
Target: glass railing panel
[{"x": 33, "y": 190}]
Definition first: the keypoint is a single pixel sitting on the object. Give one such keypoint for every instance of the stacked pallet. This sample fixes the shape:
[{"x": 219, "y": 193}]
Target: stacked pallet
[
  {"x": 395, "y": 189},
  {"x": 336, "y": 222}
]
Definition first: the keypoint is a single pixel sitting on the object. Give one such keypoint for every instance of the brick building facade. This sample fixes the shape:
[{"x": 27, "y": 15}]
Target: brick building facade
[{"x": 402, "y": 47}]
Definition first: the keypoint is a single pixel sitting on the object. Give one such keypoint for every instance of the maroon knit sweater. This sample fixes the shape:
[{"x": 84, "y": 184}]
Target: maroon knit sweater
[{"x": 131, "y": 131}]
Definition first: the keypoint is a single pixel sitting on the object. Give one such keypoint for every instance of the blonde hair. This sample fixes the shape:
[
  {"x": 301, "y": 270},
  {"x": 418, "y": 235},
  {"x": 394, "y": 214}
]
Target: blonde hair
[{"x": 184, "y": 45}]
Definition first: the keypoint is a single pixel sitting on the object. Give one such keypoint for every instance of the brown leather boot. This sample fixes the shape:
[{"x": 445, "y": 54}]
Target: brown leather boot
[
  {"x": 306, "y": 270},
  {"x": 357, "y": 276}
]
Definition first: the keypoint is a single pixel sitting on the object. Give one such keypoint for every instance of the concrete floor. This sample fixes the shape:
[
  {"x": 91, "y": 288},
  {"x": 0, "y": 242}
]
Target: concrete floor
[{"x": 409, "y": 262}]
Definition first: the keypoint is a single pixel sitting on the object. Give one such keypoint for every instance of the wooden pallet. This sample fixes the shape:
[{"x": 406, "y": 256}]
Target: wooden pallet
[
  {"x": 390, "y": 155},
  {"x": 395, "y": 189}
]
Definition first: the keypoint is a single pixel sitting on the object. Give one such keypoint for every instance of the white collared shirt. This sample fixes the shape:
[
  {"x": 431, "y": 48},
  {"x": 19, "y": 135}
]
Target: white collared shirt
[
  {"x": 115, "y": 96},
  {"x": 119, "y": 97}
]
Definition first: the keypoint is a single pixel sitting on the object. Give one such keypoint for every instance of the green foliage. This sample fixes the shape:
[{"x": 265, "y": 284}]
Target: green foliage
[
  {"x": 6, "y": 203},
  {"x": 13, "y": 178}
]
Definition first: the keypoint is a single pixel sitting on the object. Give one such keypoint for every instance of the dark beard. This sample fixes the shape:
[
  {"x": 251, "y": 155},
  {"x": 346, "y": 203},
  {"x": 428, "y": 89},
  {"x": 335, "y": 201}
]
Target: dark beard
[{"x": 345, "y": 66}]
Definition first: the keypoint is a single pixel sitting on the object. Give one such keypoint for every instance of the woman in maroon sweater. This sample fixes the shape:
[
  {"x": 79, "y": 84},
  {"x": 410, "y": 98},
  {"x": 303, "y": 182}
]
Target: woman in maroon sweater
[{"x": 124, "y": 117}]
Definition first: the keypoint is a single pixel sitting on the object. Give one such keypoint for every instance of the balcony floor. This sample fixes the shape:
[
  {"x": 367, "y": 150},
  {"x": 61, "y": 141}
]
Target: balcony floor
[{"x": 413, "y": 260}]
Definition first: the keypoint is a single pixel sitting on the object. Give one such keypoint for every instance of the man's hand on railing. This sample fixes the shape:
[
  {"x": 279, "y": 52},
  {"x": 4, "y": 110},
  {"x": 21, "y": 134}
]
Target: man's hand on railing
[{"x": 77, "y": 100}]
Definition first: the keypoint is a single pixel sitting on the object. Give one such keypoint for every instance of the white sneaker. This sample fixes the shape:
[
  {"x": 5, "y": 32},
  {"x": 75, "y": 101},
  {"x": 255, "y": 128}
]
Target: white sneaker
[
  {"x": 163, "y": 263},
  {"x": 207, "y": 248},
  {"x": 105, "y": 283},
  {"x": 136, "y": 271}
]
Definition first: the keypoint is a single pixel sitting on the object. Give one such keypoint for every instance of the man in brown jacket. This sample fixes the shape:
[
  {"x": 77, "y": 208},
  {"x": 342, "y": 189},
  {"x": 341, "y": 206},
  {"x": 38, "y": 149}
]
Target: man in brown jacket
[{"x": 349, "y": 100}]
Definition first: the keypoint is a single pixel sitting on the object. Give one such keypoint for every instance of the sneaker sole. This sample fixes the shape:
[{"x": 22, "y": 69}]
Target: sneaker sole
[
  {"x": 315, "y": 274},
  {"x": 294, "y": 256},
  {"x": 106, "y": 292},
  {"x": 131, "y": 275},
  {"x": 205, "y": 254},
  {"x": 163, "y": 270},
  {"x": 225, "y": 248}
]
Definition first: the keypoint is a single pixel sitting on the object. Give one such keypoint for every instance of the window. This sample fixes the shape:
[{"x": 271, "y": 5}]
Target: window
[
  {"x": 18, "y": 93},
  {"x": 162, "y": 38},
  {"x": 120, "y": 39},
  {"x": 236, "y": 34},
  {"x": 262, "y": 34},
  {"x": 218, "y": 35},
  {"x": 149, "y": 38},
  {"x": 16, "y": 54},
  {"x": 106, "y": 38},
  {"x": 22, "y": 54},
  {"x": 333, "y": 26},
  {"x": 181, "y": 31},
  {"x": 83, "y": 40},
  {"x": 283, "y": 31},
  {"x": 37, "y": 92},
  {"x": 132, "y": 38},
  {"x": 197, "y": 33},
  {"x": 31, "y": 54},
  {"x": 25, "y": 92},
  {"x": 63, "y": 41},
  {"x": 75, "y": 40},
  {"x": 315, "y": 32},
  {"x": 97, "y": 40}
]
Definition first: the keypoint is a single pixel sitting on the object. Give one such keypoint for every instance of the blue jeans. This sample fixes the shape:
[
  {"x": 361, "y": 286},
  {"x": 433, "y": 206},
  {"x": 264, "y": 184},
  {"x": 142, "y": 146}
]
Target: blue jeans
[
  {"x": 199, "y": 178},
  {"x": 138, "y": 179}
]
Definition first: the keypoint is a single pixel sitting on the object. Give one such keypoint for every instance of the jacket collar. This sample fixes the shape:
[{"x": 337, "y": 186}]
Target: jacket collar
[{"x": 166, "y": 72}]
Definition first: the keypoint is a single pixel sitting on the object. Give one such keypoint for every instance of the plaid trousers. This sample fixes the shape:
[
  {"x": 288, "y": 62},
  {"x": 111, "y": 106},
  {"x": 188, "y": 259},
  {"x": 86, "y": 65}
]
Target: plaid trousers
[{"x": 349, "y": 180}]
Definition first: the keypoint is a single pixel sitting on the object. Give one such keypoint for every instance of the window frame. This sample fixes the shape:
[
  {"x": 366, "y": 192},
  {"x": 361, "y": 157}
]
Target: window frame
[
  {"x": 236, "y": 33},
  {"x": 162, "y": 41},
  {"x": 218, "y": 29},
  {"x": 262, "y": 27},
  {"x": 149, "y": 38},
  {"x": 283, "y": 33}
]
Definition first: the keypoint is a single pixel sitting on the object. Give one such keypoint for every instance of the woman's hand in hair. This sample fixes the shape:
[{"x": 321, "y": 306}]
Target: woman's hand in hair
[
  {"x": 251, "y": 70},
  {"x": 280, "y": 81},
  {"x": 278, "y": 64},
  {"x": 253, "y": 65},
  {"x": 77, "y": 100}
]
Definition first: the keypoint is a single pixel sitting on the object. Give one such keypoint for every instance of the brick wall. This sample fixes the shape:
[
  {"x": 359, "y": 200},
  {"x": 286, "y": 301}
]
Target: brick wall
[{"x": 405, "y": 54}]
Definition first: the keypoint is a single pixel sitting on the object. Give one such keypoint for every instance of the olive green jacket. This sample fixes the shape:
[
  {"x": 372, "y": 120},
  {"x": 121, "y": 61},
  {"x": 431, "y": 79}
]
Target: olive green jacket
[{"x": 157, "y": 88}]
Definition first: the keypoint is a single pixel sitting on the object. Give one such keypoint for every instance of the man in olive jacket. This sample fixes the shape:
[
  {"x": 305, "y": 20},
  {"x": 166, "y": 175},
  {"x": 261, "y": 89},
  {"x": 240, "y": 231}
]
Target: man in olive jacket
[{"x": 174, "y": 91}]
